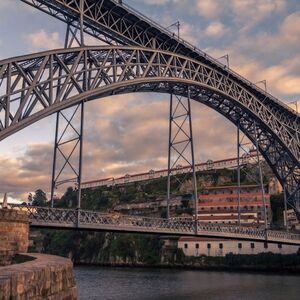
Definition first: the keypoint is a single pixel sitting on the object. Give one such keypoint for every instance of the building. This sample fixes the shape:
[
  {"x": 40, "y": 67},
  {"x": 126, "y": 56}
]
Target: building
[
  {"x": 196, "y": 246},
  {"x": 220, "y": 205},
  {"x": 291, "y": 220}
]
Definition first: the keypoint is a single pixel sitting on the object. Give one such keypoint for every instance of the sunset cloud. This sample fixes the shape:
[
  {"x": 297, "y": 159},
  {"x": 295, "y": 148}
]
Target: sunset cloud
[
  {"x": 128, "y": 133},
  {"x": 42, "y": 40}
]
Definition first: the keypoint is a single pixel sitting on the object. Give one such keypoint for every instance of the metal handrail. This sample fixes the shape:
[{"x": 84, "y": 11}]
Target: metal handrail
[{"x": 44, "y": 216}]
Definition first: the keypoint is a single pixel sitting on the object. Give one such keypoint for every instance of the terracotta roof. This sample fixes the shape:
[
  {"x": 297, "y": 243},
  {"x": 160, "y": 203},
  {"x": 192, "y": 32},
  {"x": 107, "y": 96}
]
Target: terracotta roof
[
  {"x": 232, "y": 186},
  {"x": 233, "y": 196},
  {"x": 203, "y": 204}
]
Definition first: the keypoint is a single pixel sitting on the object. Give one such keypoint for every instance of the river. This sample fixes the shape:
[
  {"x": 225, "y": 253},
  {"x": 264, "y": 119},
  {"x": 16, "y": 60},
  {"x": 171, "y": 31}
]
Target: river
[{"x": 154, "y": 284}]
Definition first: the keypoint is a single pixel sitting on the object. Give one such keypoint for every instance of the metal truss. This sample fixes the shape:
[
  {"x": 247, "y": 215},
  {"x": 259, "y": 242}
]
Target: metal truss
[
  {"x": 244, "y": 146},
  {"x": 68, "y": 143},
  {"x": 35, "y": 86},
  {"x": 117, "y": 23},
  {"x": 92, "y": 220},
  {"x": 67, "y": 162},
  {"x": 181, "y": 148}
]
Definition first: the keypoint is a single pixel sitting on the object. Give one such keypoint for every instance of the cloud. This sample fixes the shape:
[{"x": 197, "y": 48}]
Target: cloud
[
  {"x": 42, "y": 40},
  {"x": 155, "y": 2},
  {"x": 123, "y": 134},
  {"x": 249, "y": 13},
  {"x": 210, "y": 9},
  {"x": 18, "y": 178},
  {"x": 215, "y": 29}
]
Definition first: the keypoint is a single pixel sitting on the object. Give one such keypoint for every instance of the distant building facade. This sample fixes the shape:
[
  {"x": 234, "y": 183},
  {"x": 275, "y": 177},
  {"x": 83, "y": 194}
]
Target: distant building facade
[
  {"x": 220, "y": 205},
  {"x": 196, "y": 246},
  {"x": 291, "y": 220}
]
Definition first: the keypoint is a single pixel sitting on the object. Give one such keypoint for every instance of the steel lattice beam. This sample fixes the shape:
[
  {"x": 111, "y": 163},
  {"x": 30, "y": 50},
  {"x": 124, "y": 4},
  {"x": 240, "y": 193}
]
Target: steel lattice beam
[
  {"x": 116, "y": 23},
  {"x": 35, "y": 86}
]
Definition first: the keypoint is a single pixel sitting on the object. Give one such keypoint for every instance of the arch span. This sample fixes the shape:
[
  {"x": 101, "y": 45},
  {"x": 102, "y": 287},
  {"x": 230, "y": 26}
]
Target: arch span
[{"x": 35, "y": 86}]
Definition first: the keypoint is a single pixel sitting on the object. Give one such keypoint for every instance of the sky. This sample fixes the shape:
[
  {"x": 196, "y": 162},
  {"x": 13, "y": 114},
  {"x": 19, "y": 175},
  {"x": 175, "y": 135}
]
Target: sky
[{"x": 129, "y": 133}]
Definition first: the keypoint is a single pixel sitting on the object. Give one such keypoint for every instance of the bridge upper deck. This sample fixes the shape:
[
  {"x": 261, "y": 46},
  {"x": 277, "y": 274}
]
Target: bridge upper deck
[{"x": 91, "y": 220}]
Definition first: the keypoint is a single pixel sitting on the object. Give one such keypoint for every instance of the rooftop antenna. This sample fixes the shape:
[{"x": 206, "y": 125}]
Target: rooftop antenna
[{"x": 177, "y": 25}]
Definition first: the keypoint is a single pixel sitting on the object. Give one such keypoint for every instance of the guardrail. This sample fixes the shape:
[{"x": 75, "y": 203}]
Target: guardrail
[{"x": 84, "y": 219}]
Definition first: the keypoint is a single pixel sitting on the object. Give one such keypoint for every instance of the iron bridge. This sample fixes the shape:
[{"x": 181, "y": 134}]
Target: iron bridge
[
  {"x": 142, "y": 56},
  {"x": 91, "y": 220}
]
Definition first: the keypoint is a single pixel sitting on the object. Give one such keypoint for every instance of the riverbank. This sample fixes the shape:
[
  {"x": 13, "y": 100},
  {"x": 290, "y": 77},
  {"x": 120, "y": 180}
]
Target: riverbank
[{"x": 264, "y": 262}]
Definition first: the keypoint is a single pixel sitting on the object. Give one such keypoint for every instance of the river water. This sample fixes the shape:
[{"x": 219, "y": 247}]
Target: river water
[{"x": 151, "y": 284}]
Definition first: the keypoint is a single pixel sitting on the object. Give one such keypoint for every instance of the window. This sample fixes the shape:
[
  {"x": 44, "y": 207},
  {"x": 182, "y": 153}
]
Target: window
[
  {"x": 208, "y": 246},
  {"x": 279, "y": 246},
  {"x": 266, "y": 245},
  {"x": 221, "y": 246},
  {"x": 197, "y": 246},
  {"x": 185, "y": 246},
  {"x": 240, "y": 245},
  {"x": 252, "y": 245}
]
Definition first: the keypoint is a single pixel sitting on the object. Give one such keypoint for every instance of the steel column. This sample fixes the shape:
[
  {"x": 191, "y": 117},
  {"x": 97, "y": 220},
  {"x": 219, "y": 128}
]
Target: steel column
[
  {"x": 193, "y": 163},
  {"x": 260, "y": 176},
  {"x": 80, "y": 157},
  {"x": 285, "y": 206},
  {"x": 181, "y": 148},
  {"x": 54, "y": 161},
  {"x": 169, "y": 156},
  {"x": 239, "y": 173},
  {"x": 69, "y": 145}
]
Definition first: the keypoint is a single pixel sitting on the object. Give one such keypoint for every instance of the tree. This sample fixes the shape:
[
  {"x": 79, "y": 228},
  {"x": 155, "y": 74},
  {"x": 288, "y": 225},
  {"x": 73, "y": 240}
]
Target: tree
[
  {"x": 30, "y": 198},
  {"x": 69, "y": 199},
  {"x": 39, "y": 198}
]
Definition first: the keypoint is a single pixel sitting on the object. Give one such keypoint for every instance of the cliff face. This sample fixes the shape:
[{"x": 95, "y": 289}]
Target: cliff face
[{"x": 103, "y": 248}]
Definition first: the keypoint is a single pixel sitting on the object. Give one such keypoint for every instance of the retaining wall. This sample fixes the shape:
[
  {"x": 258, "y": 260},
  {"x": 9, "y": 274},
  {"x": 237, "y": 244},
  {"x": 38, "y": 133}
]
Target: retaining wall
[{"x": 45, "y": 277}]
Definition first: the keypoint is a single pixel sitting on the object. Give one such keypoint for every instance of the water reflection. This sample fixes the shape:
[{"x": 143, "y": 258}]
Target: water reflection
[{"x": 150, "y": 284}]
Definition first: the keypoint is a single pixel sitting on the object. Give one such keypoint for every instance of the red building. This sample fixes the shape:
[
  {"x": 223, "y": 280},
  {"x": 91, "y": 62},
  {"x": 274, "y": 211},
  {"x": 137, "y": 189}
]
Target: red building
[{"x": 220, "y": 205}]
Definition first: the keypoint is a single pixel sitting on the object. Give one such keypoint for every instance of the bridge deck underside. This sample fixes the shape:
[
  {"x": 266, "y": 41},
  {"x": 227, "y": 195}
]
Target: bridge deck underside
[{"x": 89, "y": 220}]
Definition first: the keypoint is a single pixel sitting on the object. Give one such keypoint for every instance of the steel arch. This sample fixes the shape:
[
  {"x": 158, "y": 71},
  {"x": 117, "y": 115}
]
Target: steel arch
[{"x": 37, "y": 85}]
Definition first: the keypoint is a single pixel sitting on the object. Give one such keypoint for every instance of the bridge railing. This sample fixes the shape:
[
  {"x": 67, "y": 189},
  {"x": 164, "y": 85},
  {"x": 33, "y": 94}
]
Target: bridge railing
[
  {"x": 90, "y": 217},
  {"x": 61, "y": 217}
]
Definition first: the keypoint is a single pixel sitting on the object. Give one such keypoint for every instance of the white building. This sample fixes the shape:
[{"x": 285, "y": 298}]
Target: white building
[
  {"x": 218, "y": 247},
  {"x": 291, "y": 220}
]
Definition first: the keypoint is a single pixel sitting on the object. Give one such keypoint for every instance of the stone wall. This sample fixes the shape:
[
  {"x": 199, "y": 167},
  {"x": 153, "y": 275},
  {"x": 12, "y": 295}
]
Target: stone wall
[
  {"x": 14, "y": 229},
  {"x": 45, "y": 277}
]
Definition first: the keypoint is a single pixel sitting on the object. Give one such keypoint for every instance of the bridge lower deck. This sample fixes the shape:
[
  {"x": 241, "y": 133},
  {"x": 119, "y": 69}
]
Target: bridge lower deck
[{"x": 91, "y": 220}]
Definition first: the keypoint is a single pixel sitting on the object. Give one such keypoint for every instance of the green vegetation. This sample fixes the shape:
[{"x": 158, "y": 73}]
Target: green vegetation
[
  {"x": 277, "y": 206},
  {"x": 112, "y": 248},
  {"x": 39, "y": 198},
  {"x": 103, "y": 248}
]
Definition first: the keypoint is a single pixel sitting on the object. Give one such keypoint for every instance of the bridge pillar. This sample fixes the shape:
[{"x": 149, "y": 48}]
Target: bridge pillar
[
  {"x": 181, "y": 150},
  {"x": 68, "y": 150}
]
